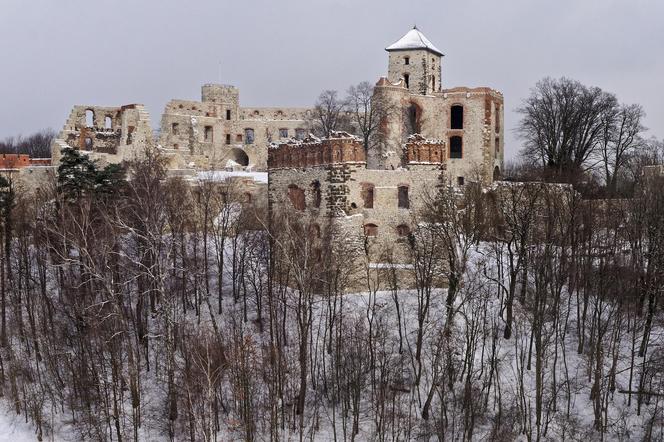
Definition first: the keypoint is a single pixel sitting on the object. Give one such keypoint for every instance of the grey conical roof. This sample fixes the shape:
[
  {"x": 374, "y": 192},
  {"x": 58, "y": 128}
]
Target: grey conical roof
[{"x": 413, "y": 39}]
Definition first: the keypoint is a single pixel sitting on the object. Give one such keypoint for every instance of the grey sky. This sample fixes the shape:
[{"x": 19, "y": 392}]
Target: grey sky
[{"x": 57, "y": 53}]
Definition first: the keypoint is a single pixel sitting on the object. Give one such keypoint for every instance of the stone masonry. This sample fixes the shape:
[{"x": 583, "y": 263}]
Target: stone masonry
[
  {"x": 329, "y": 179},
  {"x": 217, "y": 133}
]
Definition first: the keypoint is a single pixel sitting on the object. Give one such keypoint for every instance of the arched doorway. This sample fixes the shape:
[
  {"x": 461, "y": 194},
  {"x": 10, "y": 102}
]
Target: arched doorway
[{"x": 496, "y": 174}]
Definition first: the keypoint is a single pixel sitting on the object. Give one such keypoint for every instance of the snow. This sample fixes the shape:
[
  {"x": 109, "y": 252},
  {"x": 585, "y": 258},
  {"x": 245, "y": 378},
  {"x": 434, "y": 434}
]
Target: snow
[
  {"x": 380, "y": 306},
  {"x": 221, "y": 175},
  {"x": 388, "y": 265},
  {"x": 413, "y": 39},
  {"x": 230, "y": 164},
  {"x": 13, "y": 427}
]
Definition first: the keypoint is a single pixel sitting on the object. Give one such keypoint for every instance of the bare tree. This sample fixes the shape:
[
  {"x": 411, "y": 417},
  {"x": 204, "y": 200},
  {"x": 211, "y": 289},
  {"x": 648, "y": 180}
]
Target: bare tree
[
  {"x": 562, "y": 124},
  {"x": 328, "y": 114},
  {"x": 621, "y": 128},
  {"x": 37, "y": 145},
  {"x": 366, "y": 111}
]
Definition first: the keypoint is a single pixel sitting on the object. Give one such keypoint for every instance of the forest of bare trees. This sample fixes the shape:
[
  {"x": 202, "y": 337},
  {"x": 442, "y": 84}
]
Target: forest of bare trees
[
  {"x": 37, "y": 145},
  {"x": 134, "y": 306},
  {"x": 151, "y": 309}
]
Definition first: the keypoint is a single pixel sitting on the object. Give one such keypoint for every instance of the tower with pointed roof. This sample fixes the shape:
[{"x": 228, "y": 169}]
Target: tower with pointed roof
[{"x": 414, "y": 60}]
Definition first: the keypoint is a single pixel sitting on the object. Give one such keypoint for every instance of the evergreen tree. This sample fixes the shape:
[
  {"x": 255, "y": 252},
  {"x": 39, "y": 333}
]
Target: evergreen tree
[{"x": 78, "y": 175}]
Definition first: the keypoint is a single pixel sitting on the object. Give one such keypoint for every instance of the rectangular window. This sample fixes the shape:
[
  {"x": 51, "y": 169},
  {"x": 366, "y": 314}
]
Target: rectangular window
[
  {"x": 456, "y": 147},
  {"x": 238, "y": 138},
  {"x": 174, "y": 128},
  {"x": 248, "y": 136},
  {"x": 497, "y": 118},
  {"x": 406, "y": 60},
  {"x": 228, "y": 114},
  {"x": 404, "y": 203},
  {"x": 300, "y": 134},
  {"x": 368, "y": 195},
  {"x": 370, "y": 230},
  {"x": 460, "y": 181},
  {"x": 208, "y": 134},
  {"x": 283, "y": 133},
  {"x": 456, "y": 117},
  {"x": 228, "y": 138}
]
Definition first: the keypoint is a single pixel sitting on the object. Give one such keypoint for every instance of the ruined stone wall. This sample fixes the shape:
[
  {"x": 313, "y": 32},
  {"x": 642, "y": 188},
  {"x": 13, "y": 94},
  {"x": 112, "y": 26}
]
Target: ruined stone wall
[
  {"x": 30, "y": 179},
  {"x": 112, "y": 134},
  {"x": 216, "y": 129},
  {"x": 482, "y": 131},
  {"x": 343, "y": 181}
]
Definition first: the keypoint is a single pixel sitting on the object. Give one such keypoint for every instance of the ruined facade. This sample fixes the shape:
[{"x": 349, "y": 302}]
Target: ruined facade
[
  {"x": 330, "y": 179},
  {"x": 26, "y": 174},
  {"x": 470, "y": 120},
  {"x": 217, "y": 133},
  {"x": 106, "y": 134},
  {"x": 428, "y": 129},
  {"x": 429, "y": 137}
]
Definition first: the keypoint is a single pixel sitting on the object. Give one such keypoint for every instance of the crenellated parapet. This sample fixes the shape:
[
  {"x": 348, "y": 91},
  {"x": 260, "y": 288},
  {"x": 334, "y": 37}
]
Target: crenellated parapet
[
  {"x": 420, "y": 150},
  {"x": 339, "y": 148}
]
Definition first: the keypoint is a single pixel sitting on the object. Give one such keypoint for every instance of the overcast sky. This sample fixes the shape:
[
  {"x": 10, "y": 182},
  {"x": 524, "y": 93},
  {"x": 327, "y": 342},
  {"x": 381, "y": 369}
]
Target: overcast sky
[{"x": 58, "y": 53}]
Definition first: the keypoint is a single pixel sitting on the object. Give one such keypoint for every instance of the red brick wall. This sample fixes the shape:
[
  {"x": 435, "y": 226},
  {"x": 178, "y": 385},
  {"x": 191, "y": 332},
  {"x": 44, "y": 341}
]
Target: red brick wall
[{"x": 17, "y": 161}]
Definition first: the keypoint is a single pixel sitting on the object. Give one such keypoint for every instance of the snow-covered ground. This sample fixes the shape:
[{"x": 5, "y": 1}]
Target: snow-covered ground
[
  {"x": 13, "y": 427},
  {"x": 478, "y": 324}
]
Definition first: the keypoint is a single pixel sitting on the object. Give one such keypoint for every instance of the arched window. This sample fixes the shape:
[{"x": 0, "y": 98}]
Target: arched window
[
  {"x": 314, "y": 231},
  {"x": 406, "y": 60},
  {"x": 456, "y": 117},
  {"x": 404, "y": 203},
  {"x": 496, "y": 174},
  {"x": 336, "y": 153},
  {"x": 108, "y": 122},
  {"x": 89, "y": 118},
  {"x": 497, "y": 117},
  {"x": 370, "y": 230},
  {"x": 209, "y": 134},
  {"x": 368, "y": 195},
  {"x": 456, "y": 147},
  {"x": 406, "y": 79},
  {"x": 403, "y": 230},
  {"x": 413, "y": 118},
  {"x": 296, "y": 197},
  {"x": 88, "y": 143}
]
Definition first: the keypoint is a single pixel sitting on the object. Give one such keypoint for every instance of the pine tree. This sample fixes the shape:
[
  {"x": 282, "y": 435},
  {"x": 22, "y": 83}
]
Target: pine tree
[{"x": 78, "y": 175}]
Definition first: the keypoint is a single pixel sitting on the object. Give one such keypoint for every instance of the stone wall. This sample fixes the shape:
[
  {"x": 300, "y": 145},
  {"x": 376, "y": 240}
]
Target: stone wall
[
  {"x": 424, "y": 70},
  {"x": 380, "y": 203},
  {"x": 482, "y": 134},
  {"x": 106, "y": 134},
  {"x": 220, "y": 133},
  {"x": 30, "y": 179}
]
